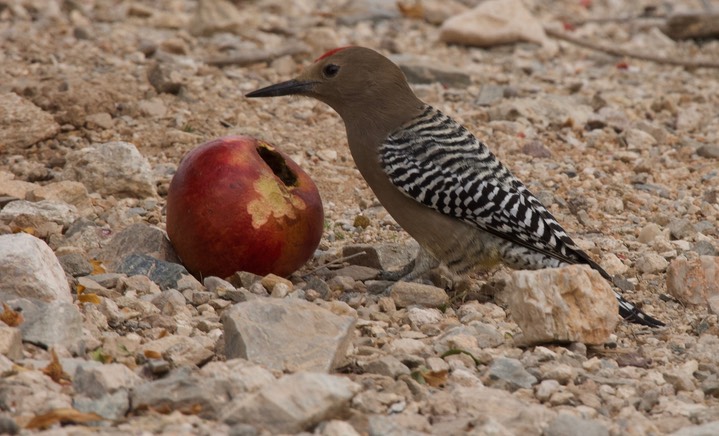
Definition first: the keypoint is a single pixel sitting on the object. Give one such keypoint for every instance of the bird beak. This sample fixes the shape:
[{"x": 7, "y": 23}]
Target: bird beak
[{"x": 290, "y": 87}]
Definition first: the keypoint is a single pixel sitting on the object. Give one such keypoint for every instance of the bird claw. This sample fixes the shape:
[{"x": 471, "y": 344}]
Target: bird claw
[{"x": 401, "y": 274}]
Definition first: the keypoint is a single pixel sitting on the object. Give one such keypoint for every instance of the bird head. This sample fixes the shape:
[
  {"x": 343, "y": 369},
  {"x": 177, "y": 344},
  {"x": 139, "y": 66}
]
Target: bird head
[{"x": 357, "y": 82}]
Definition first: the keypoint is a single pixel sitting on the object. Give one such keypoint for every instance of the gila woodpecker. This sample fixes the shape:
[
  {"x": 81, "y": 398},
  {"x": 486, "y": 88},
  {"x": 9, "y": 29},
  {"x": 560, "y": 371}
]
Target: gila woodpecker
[{"x": 441, "y": 184}]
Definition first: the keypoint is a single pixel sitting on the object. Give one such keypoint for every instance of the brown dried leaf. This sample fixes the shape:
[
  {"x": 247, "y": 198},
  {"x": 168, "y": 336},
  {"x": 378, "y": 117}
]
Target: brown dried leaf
[
  {"x": 435, "y": 378},
  {"x": 97, "y": 267},
  {"x": 192, "y": 409},
  {"x": 11, "y": 317},
  {"x": 29, "y": 230},
  {"x": 80, "y": 289},
  {"x": 61, "y": 416},
  {"x": 151, "y": 354},
  {"x": 89, "y": 298},
  {"x": 411, "y": 9},
  {"x": 55, "y": 371}
]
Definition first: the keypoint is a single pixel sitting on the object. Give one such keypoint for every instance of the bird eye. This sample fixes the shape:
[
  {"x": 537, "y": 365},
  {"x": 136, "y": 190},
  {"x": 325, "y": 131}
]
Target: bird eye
[{"x": 330, "y": 70}]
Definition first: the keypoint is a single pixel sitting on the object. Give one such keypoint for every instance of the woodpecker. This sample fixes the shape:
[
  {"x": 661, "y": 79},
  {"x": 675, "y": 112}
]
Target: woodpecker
[{"x": 437, "y": 180}]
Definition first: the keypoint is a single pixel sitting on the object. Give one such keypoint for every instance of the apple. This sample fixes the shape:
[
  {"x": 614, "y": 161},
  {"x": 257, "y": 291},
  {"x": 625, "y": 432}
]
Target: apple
[{"x": 238, "y": 204}]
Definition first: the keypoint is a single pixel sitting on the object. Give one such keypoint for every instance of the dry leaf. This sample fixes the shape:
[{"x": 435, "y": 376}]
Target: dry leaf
[
  {"x": 192, "y": 409},
  {"x": 150, "y": 354},
  {"x": 61, "y": 416},
  {"x": 55, "y": 371},
  {"x": 80, "y": 289},
  {"x": 28, "y": 230},
  {"x": 97, "y": 267},
  {"x": 89, "y": 298},
  {"x": 412, "y": 9},
  {"x": 11, "y": 317},
  {"x": 436, "y": 378}
]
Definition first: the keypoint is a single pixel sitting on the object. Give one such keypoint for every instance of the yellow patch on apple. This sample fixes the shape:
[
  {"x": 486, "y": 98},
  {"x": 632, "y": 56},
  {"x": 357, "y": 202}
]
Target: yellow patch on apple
[{"x": 272, "y": 202}]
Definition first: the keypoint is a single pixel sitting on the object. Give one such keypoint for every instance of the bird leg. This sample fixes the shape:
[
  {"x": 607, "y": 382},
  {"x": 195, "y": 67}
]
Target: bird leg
[{"x": 420, "y": 265}]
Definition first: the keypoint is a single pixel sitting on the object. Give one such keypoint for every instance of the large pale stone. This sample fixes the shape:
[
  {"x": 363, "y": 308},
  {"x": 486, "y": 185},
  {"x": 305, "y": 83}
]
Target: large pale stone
[
  {"x": 29, "y": 269},
  {"x": 23, "y": 124},
  {"x": 14, "y": 188},
  {"x": 494, "y": 22},
  {"x": 96, "y": 381},
  {"x": 287, "y": 334},
  {"x": 387, "y": 257},
  {"x": 139, "y": 238},
  {"x": 695, "y": 281},
  {"x": 179, "y": 350},
  {"x": 65, "y": 191},
  {"x": 50, "y": 323},
  {"x": 516, "y": 415},
  {"x": 10, "y": 342},
  {"x": 409, "y": 293},
  {"x": 211, "y": 388},
  {"x": 295, "y": 403},
  {"x": 113, "y": 168},
  {"x": 213, "y": 16},
  {"x": 572, "y": 304},
  {"x": 39, "y": 212}
]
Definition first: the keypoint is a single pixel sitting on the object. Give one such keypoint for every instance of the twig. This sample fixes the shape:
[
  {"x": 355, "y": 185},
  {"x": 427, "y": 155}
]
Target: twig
[
  {"x": 629, "y": 53},
  {"x": 600, "y": 20},
  {"x": 335, "y": 262}
]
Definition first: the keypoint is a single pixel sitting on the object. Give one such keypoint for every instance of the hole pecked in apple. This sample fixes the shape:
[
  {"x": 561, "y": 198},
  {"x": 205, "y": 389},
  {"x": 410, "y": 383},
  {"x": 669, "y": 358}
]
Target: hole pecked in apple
[{"x": 278, "y": 165}]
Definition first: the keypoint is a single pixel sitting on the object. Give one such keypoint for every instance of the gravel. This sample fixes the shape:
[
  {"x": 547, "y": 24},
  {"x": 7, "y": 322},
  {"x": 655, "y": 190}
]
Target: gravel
[{"x": 104, "y": 331}]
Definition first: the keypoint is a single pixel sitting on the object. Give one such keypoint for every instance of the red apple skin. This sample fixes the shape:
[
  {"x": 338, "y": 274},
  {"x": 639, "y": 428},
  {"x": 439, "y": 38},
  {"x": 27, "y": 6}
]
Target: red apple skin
[{"x": 228, "y": 211}]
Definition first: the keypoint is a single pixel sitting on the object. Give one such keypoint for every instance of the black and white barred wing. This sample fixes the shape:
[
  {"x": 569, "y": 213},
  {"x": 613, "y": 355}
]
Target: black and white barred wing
[{"x": 440, "y": 164}]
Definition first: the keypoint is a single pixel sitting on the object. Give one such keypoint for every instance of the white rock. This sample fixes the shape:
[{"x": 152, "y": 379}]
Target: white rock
[
  {"x": 708, "y": 429},
  {"x": 651, "y": 263},
  {"x": 495, "y": 22},
  {"x": 10, "y": 342},
  {"x": 404, "y": 346},
  {"x": 408, "y": 293},
  {"x": 572, "y": 303},
  {"x": 639, "y": 140},
  {"x": 612, "y": 264},
  {"x": 65, "y": 191},
  {"x": 438, "y": 11},
  {"x": 682, "y": 378},
  {"x": 546, "y": 389},
  {"x": 179, "y": 350},
  {"x": 294, "y": 403},
  {"x": 14, "y": 188},
  {"x": 287, "y": 334},
  {"x": 517, "y": 416},
  {"x": 23, "y": 124},
  {"x": 212, "y": 16},
  {"x": 240, "y": 375},
  {"x": 337, "y": 428},
  {"x": 649, "y": 233},
  {"x": 29, "y": 269},
  {"x": 50, "y": 324},
  {"x": 695, "y": 281},
  {"x": 419, "y": 316},
  {"x": 690, "y": 117},
  {"x": 96, "y": 381},
  {"x": 113, "y": 168},
  {"x": 46, "y": 210}
]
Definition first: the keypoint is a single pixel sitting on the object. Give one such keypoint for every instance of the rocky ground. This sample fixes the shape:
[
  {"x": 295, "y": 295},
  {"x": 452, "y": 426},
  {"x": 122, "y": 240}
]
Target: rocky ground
[{"x": 104, "y": 333}]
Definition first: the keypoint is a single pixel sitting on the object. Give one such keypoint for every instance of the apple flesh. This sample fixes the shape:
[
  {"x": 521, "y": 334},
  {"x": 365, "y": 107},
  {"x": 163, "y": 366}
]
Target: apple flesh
[{"x": 238, "y": 204}]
